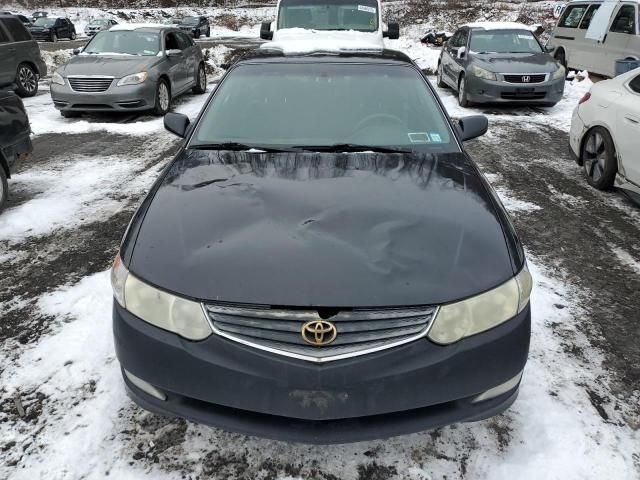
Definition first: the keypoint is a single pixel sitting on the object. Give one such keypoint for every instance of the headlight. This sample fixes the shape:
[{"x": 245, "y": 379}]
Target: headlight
[
  {"x": 474, "y": 315},
  {"x": 159, "y": 308},
  {"x": 482, "y": 73},
  {"x": 57, "y": 79},
  {"x": 560, "y": 73},
  {"x": 134, "y": 79}
]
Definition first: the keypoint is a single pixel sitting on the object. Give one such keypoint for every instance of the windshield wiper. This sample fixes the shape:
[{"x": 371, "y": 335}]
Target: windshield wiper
[
  {"x": 350, "y": 147},
  {"x": 239, "y": 147}
]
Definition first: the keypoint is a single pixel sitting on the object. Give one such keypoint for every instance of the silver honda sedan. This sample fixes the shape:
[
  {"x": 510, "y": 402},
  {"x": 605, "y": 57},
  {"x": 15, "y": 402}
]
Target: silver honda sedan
[{"x": 133, "y": 67}]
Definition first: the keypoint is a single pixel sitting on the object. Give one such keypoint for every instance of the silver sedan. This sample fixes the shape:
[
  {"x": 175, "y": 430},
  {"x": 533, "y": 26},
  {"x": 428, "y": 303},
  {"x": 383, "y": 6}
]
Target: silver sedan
[{"x": 132, "y": 67}]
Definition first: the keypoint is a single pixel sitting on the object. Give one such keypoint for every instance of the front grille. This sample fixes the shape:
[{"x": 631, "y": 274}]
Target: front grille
[
  {"x": 359, "y": 331},
  {"x": 523, "y": 95},
  {"x": 90, "y": 84},
  {"x": 538, "y": 78}
]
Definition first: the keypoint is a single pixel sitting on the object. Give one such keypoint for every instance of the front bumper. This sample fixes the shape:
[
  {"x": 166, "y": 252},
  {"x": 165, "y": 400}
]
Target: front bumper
[
  {"x": 480, "y": 90},
  {"x": 410, "y": 388},
  {"x": 122, "y": 99},
  {"x": 41, "y": 36}
]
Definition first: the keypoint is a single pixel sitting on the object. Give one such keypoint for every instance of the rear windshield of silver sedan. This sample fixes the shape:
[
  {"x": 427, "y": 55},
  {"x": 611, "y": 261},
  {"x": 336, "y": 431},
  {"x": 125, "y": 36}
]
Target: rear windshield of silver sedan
[
  {"x": 321, "y": 104},
  {"x": 124, "y": 42},
  {"x": 504, "y": 41}
]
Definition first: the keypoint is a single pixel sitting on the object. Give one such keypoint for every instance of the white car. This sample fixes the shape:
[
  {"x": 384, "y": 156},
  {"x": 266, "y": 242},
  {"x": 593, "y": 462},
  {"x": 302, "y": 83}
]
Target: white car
[
  {"x": 357, "y": 23},
  {"x": 605, "y": 133}
]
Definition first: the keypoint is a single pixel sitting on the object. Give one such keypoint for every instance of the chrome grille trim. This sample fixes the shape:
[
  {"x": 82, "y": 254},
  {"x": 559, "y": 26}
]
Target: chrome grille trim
[
  {"x": 516, "y": 78},
  {"x": 89, "y": 84},
  {"x": 244, "y": 327}
]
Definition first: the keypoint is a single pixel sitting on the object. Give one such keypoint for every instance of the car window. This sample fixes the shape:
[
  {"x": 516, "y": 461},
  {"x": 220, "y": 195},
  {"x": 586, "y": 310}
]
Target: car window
[
  {"x": 635, "y": 84},
  {"x": 326, "y": 104},
  {"x": 625, "y": 21},
  {"x": 172, "y": 42},
  {"x": 464, "y": 38},
  {"x": 16, "y": 29},
  {"x": 360, "y": 15},
  {"x": 45, "y": 22},
  {"x": 572, "y": 16},
  {"x": 3, "y": 36},
  {"x": 504, "y": 41},
  {"x": 586, "y": 20},
  {"x": 184, "y": 41}
]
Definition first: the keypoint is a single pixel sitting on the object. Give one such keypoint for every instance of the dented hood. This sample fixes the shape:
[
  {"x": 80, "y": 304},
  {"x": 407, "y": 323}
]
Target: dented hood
[{"x": 338, "y": 230}]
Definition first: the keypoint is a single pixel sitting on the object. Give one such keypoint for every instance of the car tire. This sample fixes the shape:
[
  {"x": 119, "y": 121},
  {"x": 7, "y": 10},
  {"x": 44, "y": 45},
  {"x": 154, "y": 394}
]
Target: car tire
[
  {"x": 54, "y": 37},
  {"x": 163, "y": 98},
  {"x": 4, "y": 189},
  {"x": 26, "y": 80},
  {"x": 439, "y": 77},
  {"x": 196, "y": 34},
  {"x": 69, "y": 114},
  {"x": 599, "y": 158},
  {"x": 73, "y": 35},
  {"x": 561, "y": 58},
  {"x": 201, "y": 81},
  {"x": 462, "y": 93},
  {"x": 208, "y": 32}
]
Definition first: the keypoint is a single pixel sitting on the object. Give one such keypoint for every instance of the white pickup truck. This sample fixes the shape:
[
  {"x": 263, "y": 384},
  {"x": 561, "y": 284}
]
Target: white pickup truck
[{"x": 344, "y": 21}]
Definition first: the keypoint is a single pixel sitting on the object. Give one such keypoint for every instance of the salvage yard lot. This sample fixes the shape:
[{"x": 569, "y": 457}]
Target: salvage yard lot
[{"x": 63, "y": 409}]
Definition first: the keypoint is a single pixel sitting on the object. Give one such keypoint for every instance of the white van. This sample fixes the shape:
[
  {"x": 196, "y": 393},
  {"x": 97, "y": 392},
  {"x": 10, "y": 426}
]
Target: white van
[
  {"x": 592, "y": 34},
  {"x": 334, "y": 19}
]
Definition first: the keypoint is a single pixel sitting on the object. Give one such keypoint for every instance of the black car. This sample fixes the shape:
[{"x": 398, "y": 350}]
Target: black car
[
  {"x": 344, "y": 271},
  {"x": 20, "y": 59},
  {"x": 50, "y": 29},
  {"x": 196, "y": 26},
  {"x": 14, "y": 137},
  {"x": 39, "y": 14}
]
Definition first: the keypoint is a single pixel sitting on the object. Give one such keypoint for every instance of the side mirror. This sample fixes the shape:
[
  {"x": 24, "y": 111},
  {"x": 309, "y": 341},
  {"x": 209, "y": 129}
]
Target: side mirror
[
  {"x": 393, "y": 31},
  {"x": 76, "y": 51},
  {"x": 177, "y": 123},
  {"x": 265, "y": 31},
  {"x": 462, "y": 51},
  {"x": 174, "y": 52},
  {"x": 473, "y": 126}
]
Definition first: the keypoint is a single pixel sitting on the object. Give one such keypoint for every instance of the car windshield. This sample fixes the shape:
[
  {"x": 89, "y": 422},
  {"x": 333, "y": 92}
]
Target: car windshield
[
  {"x": 45, "y": 22},
  {"x": 100, "y": 22},
  {"x": 324, "y": 105},
  {"x": 124, "y": 42},
  {"x": 504, "y": 41},
  {"x": 190, "y": 20},
  {"x": 361, "y": 15}
]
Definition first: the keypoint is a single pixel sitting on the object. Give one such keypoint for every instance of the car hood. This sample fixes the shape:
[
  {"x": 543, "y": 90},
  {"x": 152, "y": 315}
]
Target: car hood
[
  {"x": 338, "y": 230},
  {"x": 112, "y": 65},
  {"x": 516, "y": 63}
]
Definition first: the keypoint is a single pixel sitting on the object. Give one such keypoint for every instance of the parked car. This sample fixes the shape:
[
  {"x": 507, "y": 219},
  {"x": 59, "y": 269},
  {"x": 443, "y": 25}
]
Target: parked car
[
  {"x": 98, "y": 25},
  {"x": 331, "y": 20},
  {"x": 51, "y": 29},
  {"x": 25, "y": 21},
  {"x": 14, "y": 137},
  {"x": 37, "y": 15},
  {"x": 196, "y": 26},
  {"x": 173, "y": 21},
  {"x": 615, "y": 26},
  {"x": 344, "y": 272},
  {"x": 605, "y": 134},
  {"x": 20, "y": 59},
  {"x": 497, "y": 63},
  {"x": 131, "y": 67}
]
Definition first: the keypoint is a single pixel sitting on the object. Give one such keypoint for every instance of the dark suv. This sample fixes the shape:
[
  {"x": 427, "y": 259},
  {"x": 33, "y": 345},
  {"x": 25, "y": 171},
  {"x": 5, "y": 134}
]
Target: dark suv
[
  {"x": 20, "y": 59},
  {"x": 196, "y": 26},
  {"x": 51, "y": 29},
  {"x": 14, "y": 137}
]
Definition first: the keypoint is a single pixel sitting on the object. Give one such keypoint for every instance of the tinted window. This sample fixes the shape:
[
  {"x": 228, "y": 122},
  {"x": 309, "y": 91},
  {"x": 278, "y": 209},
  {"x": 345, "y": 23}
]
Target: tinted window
[
  {"x": 16, "y": 29},
  {"x": 504, "y": 41},
  {"x": 625, "y": 21},
  {"x": 572, "y": 16},
  {"x": 3, "y": 36},
  {"x": 586, "y": 21},
  {"x": 184, "y": 41},
  {"x": 359, "y": 15},
  {"x": 326, "y": 104},
  {"x": 464, "y": 38},
  {"x": 45, "y": 22},
  {"x": 172, "y": 42},
  {"x": 190, "y": 20},
  {"x": 635, "y": 84}
]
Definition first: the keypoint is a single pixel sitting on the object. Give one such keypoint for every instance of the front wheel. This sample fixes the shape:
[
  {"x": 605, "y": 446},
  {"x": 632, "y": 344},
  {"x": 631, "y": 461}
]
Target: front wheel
[
  {"x": 599, "y": 159},
  {"x": 196, "y": 34},
  {"x": 73, "y": 35},
  {"x": 462, "y": 92},
  {"x": 440, "y": 77},
  {"x": 4, "y": 189},
  {"x": 208, "y": 32},
  {"x": 201, "y": 81},
  {"x": 163, "y": 98},
  {"x": 26, "y": 80},
  {"x": 54, "y": 37}
]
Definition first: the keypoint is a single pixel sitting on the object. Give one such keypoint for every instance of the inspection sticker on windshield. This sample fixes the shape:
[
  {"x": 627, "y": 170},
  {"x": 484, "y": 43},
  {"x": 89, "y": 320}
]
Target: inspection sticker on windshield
[
  {"x": 419, "y": 137},
  {"x": 364, "y": 8},
  {"x": 436, "y": 138}
]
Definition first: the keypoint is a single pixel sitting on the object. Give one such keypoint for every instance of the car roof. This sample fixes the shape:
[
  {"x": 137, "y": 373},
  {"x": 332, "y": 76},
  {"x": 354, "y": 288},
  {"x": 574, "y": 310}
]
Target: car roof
[
  {"x": 498, "y": 26},
  {"x": 267, "y": 55},
  {"x": 146, "y": 27},
  {"x": 600, "y": 1}
]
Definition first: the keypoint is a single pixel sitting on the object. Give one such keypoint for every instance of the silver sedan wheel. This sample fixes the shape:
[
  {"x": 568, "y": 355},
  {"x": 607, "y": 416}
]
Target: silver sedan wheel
[
  {"x": 27, "y": 79},
  {"x": 163, "y": 96}
]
